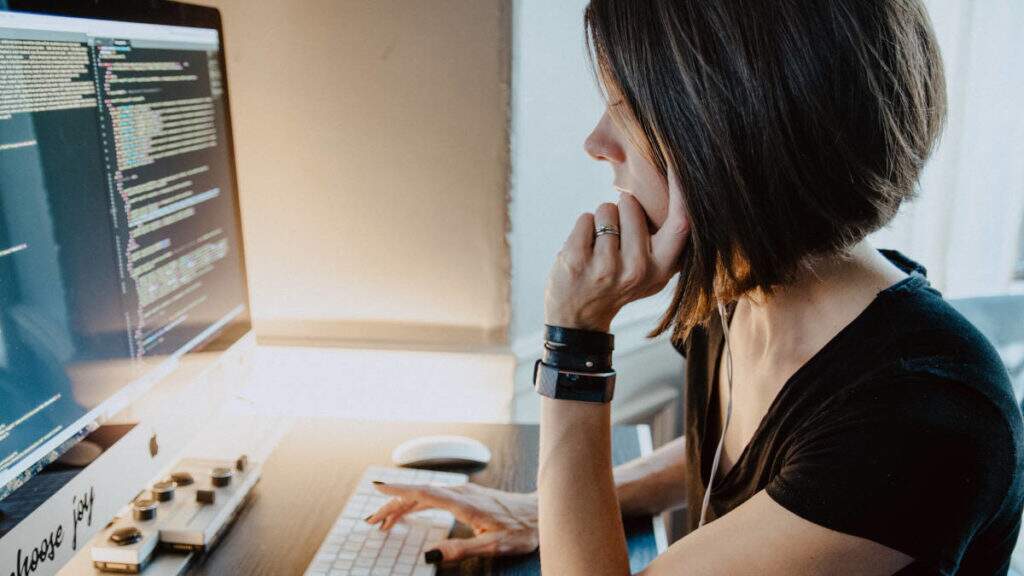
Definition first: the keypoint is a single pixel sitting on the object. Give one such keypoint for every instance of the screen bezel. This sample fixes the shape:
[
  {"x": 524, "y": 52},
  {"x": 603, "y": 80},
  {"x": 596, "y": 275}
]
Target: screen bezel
[{"x": 168, "y": 12}]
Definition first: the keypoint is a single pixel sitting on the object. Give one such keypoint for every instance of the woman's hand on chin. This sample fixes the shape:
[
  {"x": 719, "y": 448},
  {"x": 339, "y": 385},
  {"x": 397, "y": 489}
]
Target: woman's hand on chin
[{"x": 593, "y": 278}]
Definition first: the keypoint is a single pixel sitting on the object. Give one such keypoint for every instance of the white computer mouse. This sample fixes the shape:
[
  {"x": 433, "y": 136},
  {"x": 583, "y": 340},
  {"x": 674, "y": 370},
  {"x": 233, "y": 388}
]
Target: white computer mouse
[{"x": 441, "y": 451}]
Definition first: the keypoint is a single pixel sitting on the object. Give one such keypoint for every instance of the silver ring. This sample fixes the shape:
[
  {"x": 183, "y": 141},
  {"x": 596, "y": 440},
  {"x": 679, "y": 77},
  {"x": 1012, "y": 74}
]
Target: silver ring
[{"x": 606, "y": 229}]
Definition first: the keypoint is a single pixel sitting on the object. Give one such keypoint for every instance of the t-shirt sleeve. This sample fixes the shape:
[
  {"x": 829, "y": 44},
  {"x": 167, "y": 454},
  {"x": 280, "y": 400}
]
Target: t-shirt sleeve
[{"x": 917, "y": 464}]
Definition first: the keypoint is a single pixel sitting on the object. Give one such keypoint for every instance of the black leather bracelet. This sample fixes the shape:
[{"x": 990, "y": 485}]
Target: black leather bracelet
[
  {"x": 577, "y": 360},
  {"x": 579, "y": 339}
]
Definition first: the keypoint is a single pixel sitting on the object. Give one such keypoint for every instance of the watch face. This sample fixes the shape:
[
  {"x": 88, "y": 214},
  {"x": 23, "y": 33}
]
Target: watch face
[{"x": 567, "y": 385}]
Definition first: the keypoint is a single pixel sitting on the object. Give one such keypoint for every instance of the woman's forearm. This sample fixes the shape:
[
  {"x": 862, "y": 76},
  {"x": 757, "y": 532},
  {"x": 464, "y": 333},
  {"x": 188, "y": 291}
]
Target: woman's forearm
[
  {"x": 580, "y": 521},
  {"x": 654, "y": 483}
]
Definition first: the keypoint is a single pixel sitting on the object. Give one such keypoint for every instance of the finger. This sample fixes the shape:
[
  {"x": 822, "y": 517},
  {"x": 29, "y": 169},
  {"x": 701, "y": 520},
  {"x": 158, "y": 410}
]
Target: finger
[
  {"x": 606, "y": 246},
  {"x": 396, "y": 516},
  {"x": 486, "y": 544},
  {"x": 668, "y": 242},
  {"x": 636, "y": 240},
  {"x": 392, "y": 506},
  {"x": 581, "y": 239},
  {"x": 393, "y": 511},
  {"x": 430, "y": 497}
]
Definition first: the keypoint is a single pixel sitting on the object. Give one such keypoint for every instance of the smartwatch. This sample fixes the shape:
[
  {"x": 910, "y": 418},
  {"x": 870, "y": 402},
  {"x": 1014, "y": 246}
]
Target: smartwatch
[{"x": 563, "y": 384}]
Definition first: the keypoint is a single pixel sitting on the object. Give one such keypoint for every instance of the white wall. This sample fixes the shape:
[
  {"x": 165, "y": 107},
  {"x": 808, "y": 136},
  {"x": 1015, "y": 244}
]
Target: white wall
[
  {"x": 965, "y": 227},
  {"x": 555, "y": 104},
  {"x": 372, "y": 148}
]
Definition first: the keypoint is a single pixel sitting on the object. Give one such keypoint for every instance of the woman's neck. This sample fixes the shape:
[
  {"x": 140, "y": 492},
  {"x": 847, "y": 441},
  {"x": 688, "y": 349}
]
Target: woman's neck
[{"x": 799, "y": 319}]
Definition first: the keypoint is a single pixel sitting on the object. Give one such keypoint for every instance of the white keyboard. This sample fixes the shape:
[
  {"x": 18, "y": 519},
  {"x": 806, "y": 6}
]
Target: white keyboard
[{"x": 354, "y": 548}]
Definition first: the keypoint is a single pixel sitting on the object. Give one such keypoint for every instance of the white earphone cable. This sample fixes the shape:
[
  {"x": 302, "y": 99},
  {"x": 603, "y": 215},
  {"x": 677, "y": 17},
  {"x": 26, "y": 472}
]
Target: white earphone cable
[{"x": 728, "y": 416}]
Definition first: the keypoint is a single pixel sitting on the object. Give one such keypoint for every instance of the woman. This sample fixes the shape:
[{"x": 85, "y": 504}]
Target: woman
[{"x": 872, "y": 430}]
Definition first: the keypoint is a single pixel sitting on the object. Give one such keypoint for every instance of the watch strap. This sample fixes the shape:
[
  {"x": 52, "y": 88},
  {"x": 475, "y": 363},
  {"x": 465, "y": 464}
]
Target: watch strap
[
  {"x": 577, "y": 360},
  {"x": 559, "y": 336}
]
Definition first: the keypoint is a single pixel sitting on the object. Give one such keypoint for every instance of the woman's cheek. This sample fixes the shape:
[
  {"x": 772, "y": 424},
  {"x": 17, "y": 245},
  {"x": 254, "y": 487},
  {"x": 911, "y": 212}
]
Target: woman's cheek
[{"x": 655, "y": 211}]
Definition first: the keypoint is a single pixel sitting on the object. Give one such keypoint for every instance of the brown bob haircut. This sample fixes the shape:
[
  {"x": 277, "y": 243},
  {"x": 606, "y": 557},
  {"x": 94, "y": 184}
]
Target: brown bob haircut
[{"x": 796, "y": 127}]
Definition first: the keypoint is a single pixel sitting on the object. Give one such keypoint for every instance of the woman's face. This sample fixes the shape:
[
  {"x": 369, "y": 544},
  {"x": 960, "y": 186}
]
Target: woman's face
[{"x": 634, "y": 173}]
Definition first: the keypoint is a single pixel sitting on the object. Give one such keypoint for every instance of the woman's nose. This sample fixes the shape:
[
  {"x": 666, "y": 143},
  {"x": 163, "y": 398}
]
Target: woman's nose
[{"x": 602, "y": 143}]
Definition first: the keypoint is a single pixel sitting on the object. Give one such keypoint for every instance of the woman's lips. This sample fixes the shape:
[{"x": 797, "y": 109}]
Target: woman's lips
[{"x": 651, "y": 226}]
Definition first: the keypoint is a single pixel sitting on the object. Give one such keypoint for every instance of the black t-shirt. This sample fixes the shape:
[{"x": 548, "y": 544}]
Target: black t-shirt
[{"x": 902, "y": 429}]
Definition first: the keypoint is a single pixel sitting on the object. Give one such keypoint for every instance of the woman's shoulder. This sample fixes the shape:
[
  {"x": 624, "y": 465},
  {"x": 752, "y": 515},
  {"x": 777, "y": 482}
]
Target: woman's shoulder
[
  {"x": 926, "y": 359},
  {"x": 958, "y": 405},
  {"x": 915, "y": 333},
  {"x": 910, "y": 459}
]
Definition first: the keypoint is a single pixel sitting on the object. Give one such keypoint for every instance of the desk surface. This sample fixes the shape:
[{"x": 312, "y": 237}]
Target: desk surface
[{"x": 311, "y": 472}]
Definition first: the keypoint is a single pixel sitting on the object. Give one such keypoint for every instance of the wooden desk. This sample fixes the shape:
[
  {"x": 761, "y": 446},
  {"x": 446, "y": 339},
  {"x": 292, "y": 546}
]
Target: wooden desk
[{"x": 310, "y": 474}]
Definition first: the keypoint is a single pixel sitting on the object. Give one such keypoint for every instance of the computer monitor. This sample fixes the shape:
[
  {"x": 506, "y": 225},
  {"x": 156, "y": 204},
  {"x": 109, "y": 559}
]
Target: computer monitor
[{"x": 120, "y": 240}]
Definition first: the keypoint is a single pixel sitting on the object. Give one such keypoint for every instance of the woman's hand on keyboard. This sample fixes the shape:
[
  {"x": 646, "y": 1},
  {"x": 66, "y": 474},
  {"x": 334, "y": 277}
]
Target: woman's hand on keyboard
[{"x": 503, "y": 523}]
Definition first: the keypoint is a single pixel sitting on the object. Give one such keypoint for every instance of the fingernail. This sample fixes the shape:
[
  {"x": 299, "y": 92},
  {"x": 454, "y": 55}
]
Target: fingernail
[
  {"x": 379, "y": 483},
  {"x": 367, "y": 519},
  {"x": 433, "y": 556}
]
